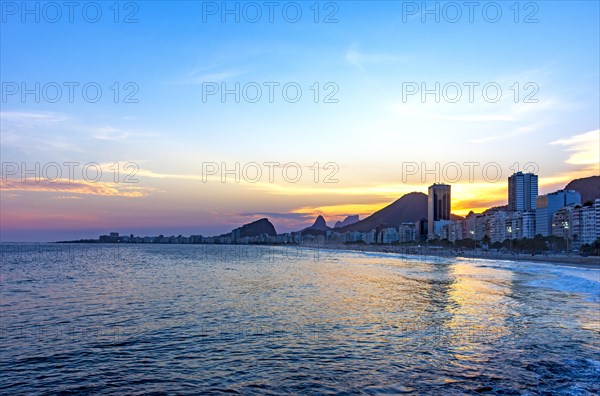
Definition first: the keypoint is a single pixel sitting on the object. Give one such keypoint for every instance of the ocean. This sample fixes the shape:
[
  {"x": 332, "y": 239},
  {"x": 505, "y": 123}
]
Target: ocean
[{"x": 212, "y": 319}]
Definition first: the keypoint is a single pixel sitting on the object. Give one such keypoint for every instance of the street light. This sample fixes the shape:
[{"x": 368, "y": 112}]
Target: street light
[
  {"x": 566, "y": 226},
  {"x": 472, "y": 232}
]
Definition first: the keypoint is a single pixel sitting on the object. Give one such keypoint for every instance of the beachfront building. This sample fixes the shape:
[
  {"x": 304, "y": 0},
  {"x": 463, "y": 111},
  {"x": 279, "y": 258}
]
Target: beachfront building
[
  {"x": 496, "y": 224},
  {"x": 547, "y": 205},
  {"x": 584, "y": 230},
  {"x": 388, "y": 235},
  {"x": 457, "y": 230},
  {"x": 441, "y": 229},
  {"x": 450, "y": 230},
  {"x": 407, "y": 232},
  {"x": 522, "y": 191},
  {"x": 421, "y": 229},
  {"x": 597, "y": 210},
  {"x": 528, "y": 223},
  {"x": 473, "y": 226},
  {"x": 438, "y": 207},
  {"x": 520, "y": 225},
  {"x": 562, "y": 222},
  {"x": 369, "y": 237}
]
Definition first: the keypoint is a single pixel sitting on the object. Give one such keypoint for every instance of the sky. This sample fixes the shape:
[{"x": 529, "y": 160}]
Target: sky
[{"x": 331, "y": 108}]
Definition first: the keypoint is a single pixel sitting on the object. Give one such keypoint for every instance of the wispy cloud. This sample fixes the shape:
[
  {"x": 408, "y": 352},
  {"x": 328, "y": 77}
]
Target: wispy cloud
[
  {"x": 106, "y": 189},
  {"x": 204, "y": 74},
  {"x": 67, "y": 197},
  {"x": 118, "y": 134},
  {"x": 584, "y": 148},
  {"x": 361, "y": 59},
  {"x": 110, "y": 133},
  {"x": 519, "y": 131},
  {"x": 31, "y": 118},
  {"x": 283, "y": 216}
]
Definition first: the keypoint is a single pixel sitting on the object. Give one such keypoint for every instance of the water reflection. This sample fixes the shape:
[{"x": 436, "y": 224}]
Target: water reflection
[{"x": 201, "y": 319}]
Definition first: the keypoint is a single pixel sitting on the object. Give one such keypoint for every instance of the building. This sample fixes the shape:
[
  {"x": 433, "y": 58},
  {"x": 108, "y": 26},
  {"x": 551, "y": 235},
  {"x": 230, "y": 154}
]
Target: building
[
  {"x": 520, "y": 225},
  {"x": 438, "y": 207},
  {"x": 584, "y": 229},
  {"x": 388, "y": 235},
  {"x": 597, "y": 208},
  {"x": 528, "y": 223},
  {"x": 442, "y": 229},
  {"x": 497, "y": 226},
  {"x": 369, "y": 237},
  {"x": 547, "y": 205},
  {"x": 407, "y": 232},
  {"x": 458, "y": 230},
  {"x": 473, "y": 227},
  {"x": 562, "y": 222},
  {"x": 522, "y": 191},
  {"x": 421, "y": 230}
]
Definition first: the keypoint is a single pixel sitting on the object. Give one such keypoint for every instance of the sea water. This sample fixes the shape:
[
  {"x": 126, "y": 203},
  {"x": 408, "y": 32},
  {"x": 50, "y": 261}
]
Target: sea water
[{"x": 202, "y": 319}]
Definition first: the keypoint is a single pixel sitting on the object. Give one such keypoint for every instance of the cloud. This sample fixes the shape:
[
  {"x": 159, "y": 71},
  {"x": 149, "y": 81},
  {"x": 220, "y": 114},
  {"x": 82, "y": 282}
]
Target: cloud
[
  {"x": 117, "y": 134},
  {"x": 29, "y": 133},
  {"x": 110, "y": 133},
  {"x": 585, "y": 148},
  {"x": 361, "y": 59},
  {"x": 341, "y": 210},
  {"x": 106, "y": 189},
  {"x": 202, "y": 75},
  {"x": 157, "y": 175},
  {"x": 31, "y": 118},
  {"x": 524, "y": 130},
  {"x": 67, "y": 197},
  {"x": 19, "y": 130},
  {"x": 283, "y": 216}
]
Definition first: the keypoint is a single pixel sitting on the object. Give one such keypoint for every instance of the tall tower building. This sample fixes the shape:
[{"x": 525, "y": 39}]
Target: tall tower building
[
  {"x": 438, "y": 206},
  {"x": 522, "y": 192}
]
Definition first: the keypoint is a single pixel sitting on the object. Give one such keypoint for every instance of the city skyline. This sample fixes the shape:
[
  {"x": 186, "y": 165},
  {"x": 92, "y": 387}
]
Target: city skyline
[
  {"x": 299, "y": 197},
  {"x": 364, "y": 118},
  {"x": 514, "y": 222}
]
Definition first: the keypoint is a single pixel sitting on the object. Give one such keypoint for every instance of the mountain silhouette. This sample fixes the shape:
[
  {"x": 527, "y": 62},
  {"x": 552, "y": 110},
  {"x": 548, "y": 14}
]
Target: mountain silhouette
[
  {"x": 588, "y": 187},
  {"x": 409, "y": 208},
  {"x": 347, "y": 221},
  {"x": 319, "y": 227},
  {"x": 258, "y": 227}
]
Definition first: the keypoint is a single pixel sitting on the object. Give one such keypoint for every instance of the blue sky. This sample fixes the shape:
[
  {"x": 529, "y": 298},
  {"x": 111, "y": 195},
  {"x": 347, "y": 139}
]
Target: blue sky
[{"x": 367, "y": 55}]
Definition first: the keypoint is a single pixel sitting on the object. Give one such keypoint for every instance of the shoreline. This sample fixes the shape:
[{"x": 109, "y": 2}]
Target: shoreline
[{"x": 590, "y": 262}]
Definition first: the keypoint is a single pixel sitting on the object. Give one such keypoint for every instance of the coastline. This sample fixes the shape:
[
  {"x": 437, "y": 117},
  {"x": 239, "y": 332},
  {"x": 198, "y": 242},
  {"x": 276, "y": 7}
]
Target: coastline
[{"x": 590, "y": 262}]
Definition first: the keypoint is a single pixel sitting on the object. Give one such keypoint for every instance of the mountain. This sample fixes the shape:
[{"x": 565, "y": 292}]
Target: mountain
[
  {"x": 347, "y": 221},
  {"x": 258, "y": 227},
  {"x": 494, "y": 209},
  {"x": 319, "y": 224},
  {"x": 588, "y": 187},
  {"x": 455, "y": 217},
  {"x": 409, "y": 208},
  {"x": 319, "y": 227}
]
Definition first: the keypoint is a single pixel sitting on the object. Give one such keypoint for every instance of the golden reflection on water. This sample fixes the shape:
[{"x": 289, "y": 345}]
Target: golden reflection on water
[
  {"x": 454, "y": 302},
  {"x": 481, "y": 308}
]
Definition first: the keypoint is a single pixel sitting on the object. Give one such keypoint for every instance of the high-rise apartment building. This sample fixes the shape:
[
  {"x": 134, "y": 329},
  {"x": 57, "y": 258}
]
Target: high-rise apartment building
[
  {"x": 522, "y": 192},
  {"x": 438, "y": 206}
]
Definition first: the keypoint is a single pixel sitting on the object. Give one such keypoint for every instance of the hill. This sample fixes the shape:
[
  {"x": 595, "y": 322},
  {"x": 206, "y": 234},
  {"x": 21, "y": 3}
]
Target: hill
[
  {"x": 347, "y": 221},
  {"x": 319, "y": 227},
  {"x": 588, "y": 187},
  {"x": 258, "y": 227},
  {"x": 409, "y": 208}
]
